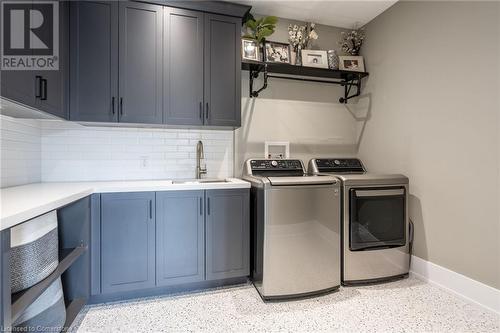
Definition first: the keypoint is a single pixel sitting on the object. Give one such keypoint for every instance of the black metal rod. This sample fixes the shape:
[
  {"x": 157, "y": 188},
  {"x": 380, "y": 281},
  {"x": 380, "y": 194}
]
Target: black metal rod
[{"x": 308, "y": 80}]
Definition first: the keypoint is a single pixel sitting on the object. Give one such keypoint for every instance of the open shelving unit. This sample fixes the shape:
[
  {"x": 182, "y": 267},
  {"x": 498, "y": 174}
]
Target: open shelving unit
[
  {"x": 347, "y": 79},
  {"x": 73, "y": 267},
  {"x": 23, "y": 299}
]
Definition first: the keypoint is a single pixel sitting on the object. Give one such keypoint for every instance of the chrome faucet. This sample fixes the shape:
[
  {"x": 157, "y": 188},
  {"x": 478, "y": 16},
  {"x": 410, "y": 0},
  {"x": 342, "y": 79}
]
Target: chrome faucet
[{"x": 200, "y": 156}]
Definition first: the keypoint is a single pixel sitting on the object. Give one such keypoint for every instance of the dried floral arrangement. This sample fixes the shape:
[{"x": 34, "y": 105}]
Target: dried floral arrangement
[
  {"x": 300, "y": 37},
  {"x": 352, "y": 41}
]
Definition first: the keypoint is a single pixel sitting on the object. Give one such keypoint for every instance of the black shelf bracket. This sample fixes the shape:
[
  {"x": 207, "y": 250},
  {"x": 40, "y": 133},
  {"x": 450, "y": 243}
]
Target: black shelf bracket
[
  {"x": 348, "y": 85},
  {"x": 254, "y": 73},
  {"x": 351, "y": 81}
]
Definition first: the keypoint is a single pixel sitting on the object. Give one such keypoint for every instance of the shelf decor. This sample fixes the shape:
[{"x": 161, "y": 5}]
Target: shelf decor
[
  {"x": 352, "y": 63},
  {"x": 300, "y": 38},
  {"x": 333, "y": 59},
  {"x": 347, "y": 79},
  {"x": 314, "y": 58},
  {"x": 352, "y": 41}
]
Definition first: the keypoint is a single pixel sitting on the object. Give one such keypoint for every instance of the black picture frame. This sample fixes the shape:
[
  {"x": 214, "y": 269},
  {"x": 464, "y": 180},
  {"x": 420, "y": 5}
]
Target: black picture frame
[{"x": 282, "y": 47}]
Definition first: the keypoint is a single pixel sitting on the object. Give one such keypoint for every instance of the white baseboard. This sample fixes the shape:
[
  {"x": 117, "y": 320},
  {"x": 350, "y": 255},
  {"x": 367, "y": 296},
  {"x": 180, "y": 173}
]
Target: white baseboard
[{"x": 458, "y": 284}]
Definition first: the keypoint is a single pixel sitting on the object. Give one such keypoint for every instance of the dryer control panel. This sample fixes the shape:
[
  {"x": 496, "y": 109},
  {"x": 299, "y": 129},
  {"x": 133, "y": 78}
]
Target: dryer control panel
[{"x": 351, "y": 165}]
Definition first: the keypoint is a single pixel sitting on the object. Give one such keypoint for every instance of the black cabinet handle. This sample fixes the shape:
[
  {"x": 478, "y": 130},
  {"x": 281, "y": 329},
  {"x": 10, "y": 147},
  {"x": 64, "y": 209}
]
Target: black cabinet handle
[
  {"x": 207, "y": 111},
  {"x": 113, "y": 105},
  {"x": 38, "y": 86},
  {"x": 201, "y": 206},
  {"x": 150, "y": 209},
  {"x": 44, "y": 89},
  {"x": 208, "y": 205},
  {"x": 201, "y": 112},
  {"x": 121, "y": 106}
]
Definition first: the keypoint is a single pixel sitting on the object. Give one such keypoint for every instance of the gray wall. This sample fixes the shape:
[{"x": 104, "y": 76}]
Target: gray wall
[
  {"x": 434, "y": 116},
  {"x": 306, "y": 114}
]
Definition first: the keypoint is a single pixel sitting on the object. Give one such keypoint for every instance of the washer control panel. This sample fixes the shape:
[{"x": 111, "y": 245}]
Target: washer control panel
[
  {"x": 339, "y": 165},
  {"x": 276, "y": 164},
  {"x": 277, "y": 167}
]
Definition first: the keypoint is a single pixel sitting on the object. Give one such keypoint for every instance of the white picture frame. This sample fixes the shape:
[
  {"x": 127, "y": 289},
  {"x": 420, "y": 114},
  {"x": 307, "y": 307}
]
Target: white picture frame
[
  {"x": 352, "y": 63},
  {"x": 250, "y": 49},
  {"x": 314, "y": 58}
]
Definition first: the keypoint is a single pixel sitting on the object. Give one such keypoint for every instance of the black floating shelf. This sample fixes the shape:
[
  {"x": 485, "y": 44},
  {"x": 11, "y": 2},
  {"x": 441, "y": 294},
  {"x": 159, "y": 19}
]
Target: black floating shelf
[
  {"x": 348, "y": 79},
  {"x": 23, "y": 299}
]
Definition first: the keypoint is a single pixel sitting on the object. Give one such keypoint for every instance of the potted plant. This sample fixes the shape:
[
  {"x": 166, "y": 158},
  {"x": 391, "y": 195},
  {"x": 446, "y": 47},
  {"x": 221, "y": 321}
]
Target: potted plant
[{"x": 259, "y": 29}]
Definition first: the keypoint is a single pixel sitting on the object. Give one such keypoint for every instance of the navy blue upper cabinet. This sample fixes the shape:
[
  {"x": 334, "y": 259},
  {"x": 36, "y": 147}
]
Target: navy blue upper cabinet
[
  {"x": 45, "y": 90},
  {"x": 94, "y": 61},
  {"x": 116, "y": 62},
  {"x": 222, "y": 71},
  {"x": 180, "y": 237},
  {"x": 127, "y": 241},
  {"x": 227, "y": 233},
  {"x": 183, "y": 67},
  {"x": 140, "y": 63},
  {"x": 202, "y": 82}
]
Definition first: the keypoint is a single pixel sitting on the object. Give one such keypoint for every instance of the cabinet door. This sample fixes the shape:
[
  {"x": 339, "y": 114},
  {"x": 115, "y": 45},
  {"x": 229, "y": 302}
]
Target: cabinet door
[
  {"x": 183, "y": 67},
  {"x": 94, "y": 61},
  {"x": 20, "y": 86},
  {"x": 55, "y": 85},
  {"x": 228, "y": 233},
  {"x": 127, "y": 241},
  {"x": 222, "y": 71},
  {"x": 180, "y": 237},
  {"x": 141, "y": 63}
]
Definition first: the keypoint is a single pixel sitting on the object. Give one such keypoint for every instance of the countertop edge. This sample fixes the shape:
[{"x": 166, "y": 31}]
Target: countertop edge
[
  {"x": 15, "y": 219},
  {"x": 93, "y": 188}
]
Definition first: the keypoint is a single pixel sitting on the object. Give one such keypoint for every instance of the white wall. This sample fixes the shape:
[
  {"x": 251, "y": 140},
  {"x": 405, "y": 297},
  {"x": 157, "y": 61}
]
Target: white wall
[
  {"x": 20, "y": 151},
  {"x": 434, "y": 116}
]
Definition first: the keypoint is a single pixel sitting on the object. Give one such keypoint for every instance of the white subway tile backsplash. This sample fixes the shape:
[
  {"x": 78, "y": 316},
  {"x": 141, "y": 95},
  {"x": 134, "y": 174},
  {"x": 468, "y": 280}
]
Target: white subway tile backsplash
[
  {"x": 79, "y": 153},
  {"x": 20, "y": 153},
  {"x": 47, "y": 150}
]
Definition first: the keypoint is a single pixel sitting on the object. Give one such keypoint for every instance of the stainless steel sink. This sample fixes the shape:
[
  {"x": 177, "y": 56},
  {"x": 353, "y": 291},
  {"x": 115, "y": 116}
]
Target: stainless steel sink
[{"x": 200, "y": 181}]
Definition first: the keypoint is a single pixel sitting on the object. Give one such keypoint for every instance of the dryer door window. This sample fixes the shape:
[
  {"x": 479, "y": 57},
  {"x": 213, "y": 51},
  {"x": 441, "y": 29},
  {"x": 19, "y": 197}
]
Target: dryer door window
[{"x": 377, "y": 218}]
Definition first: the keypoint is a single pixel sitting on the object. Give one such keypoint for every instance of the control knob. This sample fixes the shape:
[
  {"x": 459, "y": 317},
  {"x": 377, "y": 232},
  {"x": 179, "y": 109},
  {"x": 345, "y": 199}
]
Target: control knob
[
  {"x": 337, "y": 162},
  {"x": 274, "y": 163}
]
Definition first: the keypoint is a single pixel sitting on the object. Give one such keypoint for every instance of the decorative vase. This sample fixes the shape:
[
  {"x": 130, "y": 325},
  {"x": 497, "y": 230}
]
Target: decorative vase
[
  {"x": 293, "y": 57},
  {"x": 298, "y": 58},
  {"x": 333, "y": 59}
]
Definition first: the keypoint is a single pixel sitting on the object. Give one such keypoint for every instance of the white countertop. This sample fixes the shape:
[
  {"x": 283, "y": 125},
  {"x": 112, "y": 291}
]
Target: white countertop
[{"x": 21, "y": 203}]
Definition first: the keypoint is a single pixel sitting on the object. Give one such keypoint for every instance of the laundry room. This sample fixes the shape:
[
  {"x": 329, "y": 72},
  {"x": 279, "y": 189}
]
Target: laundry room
[{"x": 250, "y": 165}]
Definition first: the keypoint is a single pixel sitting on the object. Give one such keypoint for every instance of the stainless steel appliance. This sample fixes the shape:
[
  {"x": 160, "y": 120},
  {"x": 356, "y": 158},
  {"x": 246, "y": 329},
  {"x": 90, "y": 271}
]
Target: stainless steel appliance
[
  {"x": 295, "y": 229},
  {"x": 375, "y": 227}
]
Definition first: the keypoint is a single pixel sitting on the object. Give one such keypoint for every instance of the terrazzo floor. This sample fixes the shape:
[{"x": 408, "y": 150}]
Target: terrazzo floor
[{"x": 408, "y": 305}]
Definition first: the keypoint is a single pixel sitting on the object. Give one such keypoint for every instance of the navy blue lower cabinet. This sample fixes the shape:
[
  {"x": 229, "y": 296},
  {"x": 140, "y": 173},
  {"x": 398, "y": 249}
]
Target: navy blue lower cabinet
[
  {"x": 227, "y": 233},
  {"x": 180, "y": 237},
  {"x": 127, "y": 241},
  {"x": 5, "y": 291}
]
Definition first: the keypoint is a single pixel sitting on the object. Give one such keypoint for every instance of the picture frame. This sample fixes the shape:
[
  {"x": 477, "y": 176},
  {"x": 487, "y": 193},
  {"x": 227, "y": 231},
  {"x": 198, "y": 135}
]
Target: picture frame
[
  {"x": 250, "y": 49},
  {"x": 276, "y": 52},
  {"x": 314, "y": 58},
  {"x": 352, "y": 63}
]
